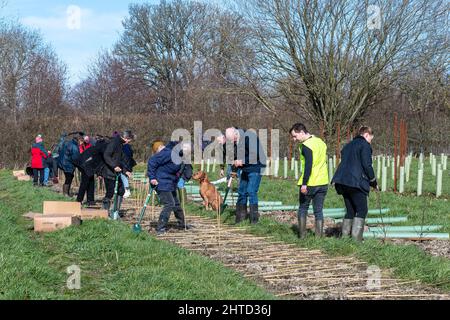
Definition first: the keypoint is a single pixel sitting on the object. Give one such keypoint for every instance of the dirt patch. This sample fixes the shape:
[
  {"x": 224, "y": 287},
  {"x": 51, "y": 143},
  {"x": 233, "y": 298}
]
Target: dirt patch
[{"x": 437, "y": 248}]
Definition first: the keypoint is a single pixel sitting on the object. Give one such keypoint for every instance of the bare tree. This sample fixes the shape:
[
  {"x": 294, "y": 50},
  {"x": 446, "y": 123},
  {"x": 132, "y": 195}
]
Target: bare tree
[
  {"x": 325, "y": 60},
  {"x": 19, "y": 48}
]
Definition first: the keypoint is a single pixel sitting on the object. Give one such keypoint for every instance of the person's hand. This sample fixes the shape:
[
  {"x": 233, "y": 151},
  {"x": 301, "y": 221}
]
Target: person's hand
[
  {"x": 180, "y": 183},
  {"x": 128, "y": 174},
  {"x": 222, "y": 173},
  {"x": 238, "y": 163},
  {"x": 374, "y": 184},
  {"x": 117, "y": 169},
  {"x": 154, "y": 182},
  {"x": 304, "y": 189}
]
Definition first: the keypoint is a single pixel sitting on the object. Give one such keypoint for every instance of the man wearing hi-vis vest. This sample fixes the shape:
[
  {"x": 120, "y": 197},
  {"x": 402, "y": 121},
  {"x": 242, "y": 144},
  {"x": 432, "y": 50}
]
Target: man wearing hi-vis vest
[{"x": 313, "y": 181}]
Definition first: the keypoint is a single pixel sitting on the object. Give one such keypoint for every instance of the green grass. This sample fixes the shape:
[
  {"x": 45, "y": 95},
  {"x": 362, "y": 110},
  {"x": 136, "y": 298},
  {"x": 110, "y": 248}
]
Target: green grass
[
  {"x": 406, "y": 261},
  {"x": 115, "y": 263}
]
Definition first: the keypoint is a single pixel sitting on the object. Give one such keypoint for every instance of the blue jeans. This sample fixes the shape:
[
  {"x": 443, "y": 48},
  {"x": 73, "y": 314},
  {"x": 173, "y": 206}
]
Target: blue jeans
[
  {"x": 248, "y": 187},
  {"x": 125, "y": 182},
  {"x": 317, "y": 195},
  {"x": 46, "y": 175}
]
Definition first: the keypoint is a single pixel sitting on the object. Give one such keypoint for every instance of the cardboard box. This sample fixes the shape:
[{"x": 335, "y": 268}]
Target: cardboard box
[
  {"x": 54, "y": 222},
  {"x": 62, "y": 207},
  {"x": 31, "y": 215},
  {"x": 18, "y": 173},
  {"x": 89, "y": 214},
  {"x": 24, "y": 178}
]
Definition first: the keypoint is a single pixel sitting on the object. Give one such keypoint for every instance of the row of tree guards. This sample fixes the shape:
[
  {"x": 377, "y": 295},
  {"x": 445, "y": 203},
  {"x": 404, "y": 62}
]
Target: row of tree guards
[{"x": 399, "y": 168}]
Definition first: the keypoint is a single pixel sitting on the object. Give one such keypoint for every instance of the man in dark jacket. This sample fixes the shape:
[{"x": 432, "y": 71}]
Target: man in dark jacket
[
  {"x": 112, "y": 168},
  {"x": 87, "y": 183},
  {"x": 250, "y": 157},
  {"x": 353, "y": 179},
  {"x": 164, "y": 175}
]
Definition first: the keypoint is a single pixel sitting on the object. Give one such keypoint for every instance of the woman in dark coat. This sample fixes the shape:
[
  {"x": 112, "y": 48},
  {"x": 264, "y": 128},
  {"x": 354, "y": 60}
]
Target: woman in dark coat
[{"x": 353, "y": 179}]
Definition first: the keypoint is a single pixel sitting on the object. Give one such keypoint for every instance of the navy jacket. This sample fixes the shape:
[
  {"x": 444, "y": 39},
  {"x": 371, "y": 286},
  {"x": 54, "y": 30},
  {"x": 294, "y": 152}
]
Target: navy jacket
[
  {"x": 69, "y": 156},
  {"x": 250, "y": 151},
  {"x": 355, "y": 169},
  {"x": 161, "y": 168}
]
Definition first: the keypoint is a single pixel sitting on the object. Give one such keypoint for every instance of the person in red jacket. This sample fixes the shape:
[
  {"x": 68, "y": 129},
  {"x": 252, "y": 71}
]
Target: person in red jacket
[
  {"x": 38, "y": 155},
  {"x": 87, "y": 184}
]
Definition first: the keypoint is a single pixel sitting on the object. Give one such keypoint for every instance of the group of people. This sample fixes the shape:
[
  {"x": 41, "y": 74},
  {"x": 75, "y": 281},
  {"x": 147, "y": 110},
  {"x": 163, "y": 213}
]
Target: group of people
[
  {"x": 353, "y": 178},
  {"x": 106, "y": 158},
  {"x": 246, "y": 160}
]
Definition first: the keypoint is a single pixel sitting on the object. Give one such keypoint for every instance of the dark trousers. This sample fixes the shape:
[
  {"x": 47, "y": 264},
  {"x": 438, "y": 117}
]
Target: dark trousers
[
  {"x": 171, "y": 203},
  {"x": 69, "y": 178},
  {"x": 355, "y": 201},
  {"x": 317, "y": 195},
  {"x": 87, "y": 185},
  {"x": 38, "y": 175},
  {"x": 109, "y": 186}
]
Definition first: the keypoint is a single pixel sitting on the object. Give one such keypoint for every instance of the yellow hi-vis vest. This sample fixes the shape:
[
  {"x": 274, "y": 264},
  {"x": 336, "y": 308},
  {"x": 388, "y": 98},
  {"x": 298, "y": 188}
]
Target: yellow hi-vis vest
[{"x": 319, "y": 170}]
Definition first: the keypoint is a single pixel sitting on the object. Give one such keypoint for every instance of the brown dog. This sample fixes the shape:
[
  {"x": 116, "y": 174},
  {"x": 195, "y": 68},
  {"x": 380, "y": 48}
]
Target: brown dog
[{"x": 210, "y": 195}]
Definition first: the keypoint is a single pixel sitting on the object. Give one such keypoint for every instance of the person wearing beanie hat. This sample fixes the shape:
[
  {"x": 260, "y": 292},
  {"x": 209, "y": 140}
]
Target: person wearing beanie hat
[{"x": 38, "y": 156}]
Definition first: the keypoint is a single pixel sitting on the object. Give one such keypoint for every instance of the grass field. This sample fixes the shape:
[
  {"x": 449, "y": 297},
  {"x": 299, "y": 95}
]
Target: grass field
[
  {"x": 115, "y": 263},
  {"x": 406, "y": 261}
]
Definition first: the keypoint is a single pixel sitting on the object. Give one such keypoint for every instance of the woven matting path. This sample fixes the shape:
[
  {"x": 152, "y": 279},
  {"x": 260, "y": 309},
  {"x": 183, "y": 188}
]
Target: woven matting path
[{"x": 286, "y": 270}]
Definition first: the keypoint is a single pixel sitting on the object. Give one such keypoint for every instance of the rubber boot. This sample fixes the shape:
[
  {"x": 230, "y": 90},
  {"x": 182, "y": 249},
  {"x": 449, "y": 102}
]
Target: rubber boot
[
  {"x": 319, "y": 228},
  {"x": 66, "y": 190},
  {"x": 302, "y": 226},
  {"x": 106, "y": 204},
  {"x": 358, "y": 229},
  {"x": 119, "y": 205},
  {"x": 346, "y": 227},
  {"x": 241, "y": 212},
  {"x": 254, "y": 214}
]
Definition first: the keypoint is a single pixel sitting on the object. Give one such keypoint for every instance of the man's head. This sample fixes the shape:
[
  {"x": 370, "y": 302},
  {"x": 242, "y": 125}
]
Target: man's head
[
  {"x": 157, "y": 146},
  {"x": 367, "y": 133},
  {"x": 232, "y": 134},
  {"x": 299, "y": 132},
  {"x": 39, "y": 139},
  {"x": 221, "y": 139},
  {"x": 127, "y": 136}
]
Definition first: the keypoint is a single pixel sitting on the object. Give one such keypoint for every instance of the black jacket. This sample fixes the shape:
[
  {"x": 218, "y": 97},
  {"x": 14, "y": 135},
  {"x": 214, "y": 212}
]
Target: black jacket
[
  {"x": 113, "y": 157},
  {"x": 249, "y": 150},
  {"x": 355, "y": 169}
]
